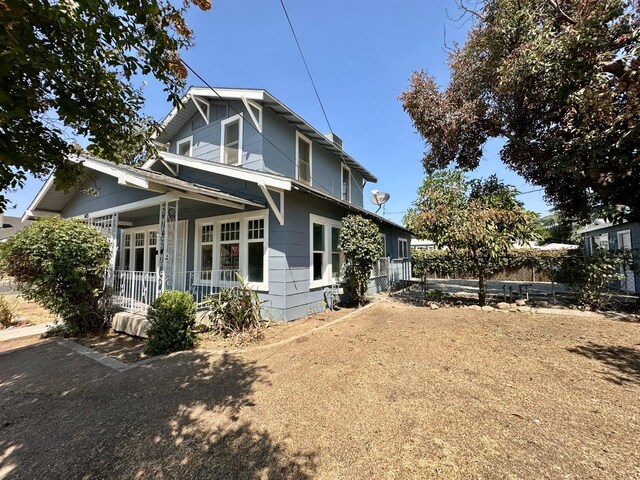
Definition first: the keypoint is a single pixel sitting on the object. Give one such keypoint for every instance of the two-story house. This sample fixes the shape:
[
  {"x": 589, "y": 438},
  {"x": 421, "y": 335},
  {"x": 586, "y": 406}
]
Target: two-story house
[{"x": 244, "y": 185}]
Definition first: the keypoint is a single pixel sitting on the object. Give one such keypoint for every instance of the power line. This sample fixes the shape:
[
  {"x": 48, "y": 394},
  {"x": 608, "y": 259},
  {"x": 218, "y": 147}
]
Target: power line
[
  {"x": 530, "y": 191},
  {"x": 305, "y": 64},
  {"x": 230, "y": 105}
]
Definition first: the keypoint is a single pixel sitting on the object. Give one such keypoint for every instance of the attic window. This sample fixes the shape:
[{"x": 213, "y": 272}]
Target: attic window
[
  {"x": 303, "y": 158},
  {"x": 184, "y": 147},
  {"x": 231, "y": 142}
]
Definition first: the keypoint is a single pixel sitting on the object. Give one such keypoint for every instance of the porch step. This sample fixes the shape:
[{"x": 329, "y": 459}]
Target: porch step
[{"x": 130, "y": 323}]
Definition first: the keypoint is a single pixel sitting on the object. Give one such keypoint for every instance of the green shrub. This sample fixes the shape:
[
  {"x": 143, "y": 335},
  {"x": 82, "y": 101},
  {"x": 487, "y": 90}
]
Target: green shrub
[
  {"x": 172, "y": 317},
  {"x": 591, "y": 277},
  {"x": 235, "y": 310},
  {"x": 360, "y": 243},
  {"x": 61, "y": 265},
  {"x": 6, "y": 313}
]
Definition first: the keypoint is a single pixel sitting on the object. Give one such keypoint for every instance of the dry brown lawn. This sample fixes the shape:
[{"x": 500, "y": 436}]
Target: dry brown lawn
[
  {"x": 27, "y": 312},
  {"x": 392, "y": 391}
]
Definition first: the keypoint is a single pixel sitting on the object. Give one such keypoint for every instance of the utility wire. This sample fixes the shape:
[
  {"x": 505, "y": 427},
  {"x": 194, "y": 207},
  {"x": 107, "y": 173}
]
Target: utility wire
[
  {"x": 230, "y": 105},
  {"x": 284, "y": 8}
]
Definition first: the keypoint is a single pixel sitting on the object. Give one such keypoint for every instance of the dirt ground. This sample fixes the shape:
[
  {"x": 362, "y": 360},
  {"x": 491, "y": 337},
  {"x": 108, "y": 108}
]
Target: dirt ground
[
  {"x": 392, "y": 391},
  {"x": 26, "y": 312},
  {"x": 119, "y": 346}
]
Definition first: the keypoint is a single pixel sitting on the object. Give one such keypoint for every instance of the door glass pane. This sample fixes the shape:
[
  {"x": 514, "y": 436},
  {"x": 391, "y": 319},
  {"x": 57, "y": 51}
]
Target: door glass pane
[
  {"x": 152, "y": 259},
  {"x": 256, "y": 264},
  {"x": 318, "y": 237},
  {"x": 206, "y": 258},
  {"x": 139, "y": 260},
  {"x": 229, "y": 256},
  {"x": 126, "y": 263},
  {"x": 318, "y": 260}
]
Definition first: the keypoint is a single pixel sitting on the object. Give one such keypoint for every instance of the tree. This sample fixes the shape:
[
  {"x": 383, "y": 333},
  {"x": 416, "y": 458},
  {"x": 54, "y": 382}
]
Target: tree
[
  {"x": 554, "y": 229},
  {"x": 359, "y": 241},
  {"x": 481, "y": 219},
  {"x": 558, "y": 81},
  {"x": 67, "y": 71},
  {"x": 61, "y": 265}
]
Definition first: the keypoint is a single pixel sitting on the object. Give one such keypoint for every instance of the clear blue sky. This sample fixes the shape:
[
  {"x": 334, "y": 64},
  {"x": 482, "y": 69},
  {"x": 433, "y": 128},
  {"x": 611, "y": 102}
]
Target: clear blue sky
[{"x": 361, "y": 54}]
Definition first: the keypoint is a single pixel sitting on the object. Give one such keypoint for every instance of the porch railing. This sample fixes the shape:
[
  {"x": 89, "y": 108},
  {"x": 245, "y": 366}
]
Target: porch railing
[{"x": 135, "y": 291}]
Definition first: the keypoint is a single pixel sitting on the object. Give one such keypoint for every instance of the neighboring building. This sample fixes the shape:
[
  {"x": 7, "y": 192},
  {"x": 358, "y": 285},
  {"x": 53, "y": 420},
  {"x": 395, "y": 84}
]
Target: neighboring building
[
  {"x": 603, "y": 234},
  {"x": 9, "y": 226},
  {"x": 417, "y": 244},
  {"x": 245, "y": 186}
]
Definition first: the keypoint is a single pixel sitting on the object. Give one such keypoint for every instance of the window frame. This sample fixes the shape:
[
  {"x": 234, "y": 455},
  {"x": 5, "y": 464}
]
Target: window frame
[
  {"x": 182, "y": 142},
  {"x": 383, "y": 236},
  {"x": 342, "y": 170},
  {"x": 327, "y": 269},
  {"x": 244, "y": 219},
  {"x": 147, "y": 229},
  {"x": 299, "y": 137},
  {"x": 223, "y": 125},
  {"x": 406, "y": 247}
]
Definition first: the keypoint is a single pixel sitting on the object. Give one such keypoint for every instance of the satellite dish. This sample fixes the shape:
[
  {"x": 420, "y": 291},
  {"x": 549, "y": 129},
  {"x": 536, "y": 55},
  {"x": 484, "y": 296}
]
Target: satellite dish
[{"x": 379, "y": 198}]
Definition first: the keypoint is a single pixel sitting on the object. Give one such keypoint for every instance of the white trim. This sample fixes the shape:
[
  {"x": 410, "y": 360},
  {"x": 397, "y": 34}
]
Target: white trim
[
  {"x": 243, "y": 218},
  {"x": 384, "y": 243},
  {"x": 199, "y": 103},
  {"x": 34, "y": 203},
  {"x": 127, "y": 207},
  {"x": 278, "y": 212},
  {"x": 231, "y": 171},
  {"x": 344, "y": 167},
  {"x": 300, "y": 136},
  {"x": 406, "y": 247},
  {"x": 257, "y": 121},
  {"x": 327, "y": 273},
  {"x": 223, "y": 124},
  {"x": 182, "y": 142}
]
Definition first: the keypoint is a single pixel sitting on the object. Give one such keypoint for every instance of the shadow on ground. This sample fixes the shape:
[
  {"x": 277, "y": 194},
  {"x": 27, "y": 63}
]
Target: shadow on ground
[
  {"x": 64, "y": 416},
  {"x": 623, "y": 362}
]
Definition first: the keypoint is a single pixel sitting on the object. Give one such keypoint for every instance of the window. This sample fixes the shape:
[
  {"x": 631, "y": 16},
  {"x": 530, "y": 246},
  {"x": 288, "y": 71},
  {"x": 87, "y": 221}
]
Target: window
[
  {"x": 402, "y": 248},
  {"x": 326, "y": 259},
  {"x": 303, "y": 158},
  {"x": 255, "y": 250},
  {"x": 600, "y": 241},
  {"x": 233, "y": 243},
  {"x": 139, "y": 249},
  {"x": 231, "y": 142},
  {"x": 346, "y": 184},
  {"x": 383, "y": 241},
  {"x": 184, "y": 147}
]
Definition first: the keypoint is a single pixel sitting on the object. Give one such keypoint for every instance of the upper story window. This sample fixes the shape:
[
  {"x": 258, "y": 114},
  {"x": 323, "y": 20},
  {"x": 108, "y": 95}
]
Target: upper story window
[
  {"x": 184, "y": 147},
  {"x": 346, "y": 184},
  {"x": 231, "y": 142},
  {"x": 303, "y": 158}
]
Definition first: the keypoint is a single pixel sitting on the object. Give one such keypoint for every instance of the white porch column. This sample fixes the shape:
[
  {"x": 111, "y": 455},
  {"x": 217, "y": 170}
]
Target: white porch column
[{"x": 167, "y": 239}]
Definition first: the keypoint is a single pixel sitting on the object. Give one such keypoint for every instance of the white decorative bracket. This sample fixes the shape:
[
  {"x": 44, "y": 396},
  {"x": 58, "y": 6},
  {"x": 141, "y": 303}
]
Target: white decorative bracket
[
  {"x": 277, "y": 211},
  {"x": 255, "y": 112},
  {"x": 202, "y": 106}
]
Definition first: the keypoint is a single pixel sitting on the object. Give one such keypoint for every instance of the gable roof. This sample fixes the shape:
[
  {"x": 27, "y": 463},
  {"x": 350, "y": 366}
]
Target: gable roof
[
  {"x": 49, "y": 201},
  {"x": 177, "y": 118}
]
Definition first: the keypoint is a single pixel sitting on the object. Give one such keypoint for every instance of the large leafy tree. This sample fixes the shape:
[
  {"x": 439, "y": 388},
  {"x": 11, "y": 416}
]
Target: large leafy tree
[
  {"x": 67, "y": 69},
  {"x": 558, "y": 80},
  {"x": 476, "y": 219}
]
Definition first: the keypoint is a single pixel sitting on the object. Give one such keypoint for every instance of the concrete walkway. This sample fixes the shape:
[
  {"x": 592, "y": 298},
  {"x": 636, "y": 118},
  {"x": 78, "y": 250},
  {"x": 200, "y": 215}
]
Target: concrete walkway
[{"x": 19, "y": 332}]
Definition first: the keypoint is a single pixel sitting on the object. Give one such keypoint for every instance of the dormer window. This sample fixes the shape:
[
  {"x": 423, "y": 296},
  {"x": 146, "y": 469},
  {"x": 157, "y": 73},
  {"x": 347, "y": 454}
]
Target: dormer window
[
  {"x": 303, "y": 158},
  {"x": 231, "y": 142},
  {"x": 184, "y": 147},
  {"x": 346, "y": 184}
]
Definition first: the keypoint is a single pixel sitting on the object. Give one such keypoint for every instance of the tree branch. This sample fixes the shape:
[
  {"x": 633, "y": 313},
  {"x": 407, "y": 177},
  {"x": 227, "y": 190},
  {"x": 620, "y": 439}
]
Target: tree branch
[{"x": 562, "y": 13}]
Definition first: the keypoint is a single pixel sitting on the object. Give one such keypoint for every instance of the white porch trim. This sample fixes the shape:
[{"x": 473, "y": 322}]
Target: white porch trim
[{"x": 253, "y": 176}]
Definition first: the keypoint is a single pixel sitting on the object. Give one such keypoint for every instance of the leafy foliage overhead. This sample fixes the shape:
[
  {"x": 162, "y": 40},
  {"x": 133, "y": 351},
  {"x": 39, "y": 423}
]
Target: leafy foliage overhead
[
  {"x": 67, "y": 70},
  {"x": 558, "y": 80},
  {"x": 481, "y": 219}
]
